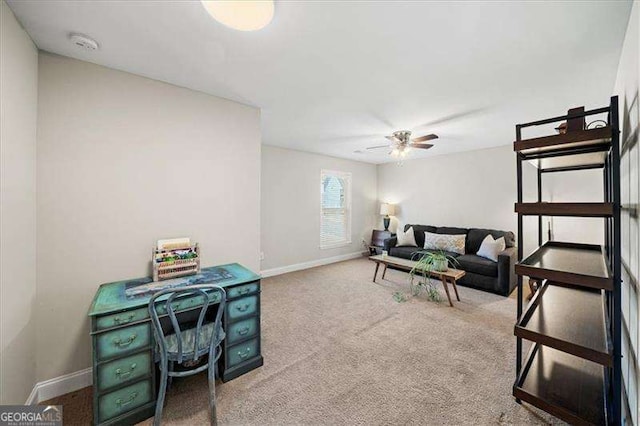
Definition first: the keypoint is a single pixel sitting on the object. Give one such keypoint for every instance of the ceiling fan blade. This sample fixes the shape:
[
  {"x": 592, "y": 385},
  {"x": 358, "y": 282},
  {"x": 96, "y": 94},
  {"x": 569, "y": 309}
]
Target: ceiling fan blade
[
  {"x": 393, "y": 138},
  {"x": 425, "y": 138},
  {"x": 379, "y": 146},
  {"x": 421, "y": 145},
  {"x": 461, "y": 115}
]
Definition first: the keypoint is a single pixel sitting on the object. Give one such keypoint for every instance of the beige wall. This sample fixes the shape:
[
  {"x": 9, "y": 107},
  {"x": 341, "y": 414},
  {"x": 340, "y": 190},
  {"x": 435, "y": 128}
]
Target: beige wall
[
  {"x": 626, "y": 87},
  {"x": 122, "y": 161},
  {"x": 575, "y": 186},
  {"x": 291, "y": 206},
  {"x": 474, "y": 189},
  {"x": 18, "y": 114}
]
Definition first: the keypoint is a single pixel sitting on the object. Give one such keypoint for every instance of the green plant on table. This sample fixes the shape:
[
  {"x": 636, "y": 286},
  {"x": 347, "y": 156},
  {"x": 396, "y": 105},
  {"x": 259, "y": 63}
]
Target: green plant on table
[{"x": 427, "y": 262}]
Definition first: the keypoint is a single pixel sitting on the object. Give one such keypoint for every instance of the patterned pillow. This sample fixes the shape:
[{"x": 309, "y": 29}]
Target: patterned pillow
[{"x": 452, "y": 243}]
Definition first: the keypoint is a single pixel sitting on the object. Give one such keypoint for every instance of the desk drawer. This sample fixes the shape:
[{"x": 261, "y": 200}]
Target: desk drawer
[
  {"x": 242, "y": 352},
  {"x": 243, "y": 290},
  {"x": 242, "y": 307},
  {"x": 243, "y": 329},
  {"x": 118, "y": 402},
  {"x": 123, "y": 370},
  {"x": 122, "y": 341},
  {"x": 186, "y": 303},
  {"x": 122, "y": 318}
]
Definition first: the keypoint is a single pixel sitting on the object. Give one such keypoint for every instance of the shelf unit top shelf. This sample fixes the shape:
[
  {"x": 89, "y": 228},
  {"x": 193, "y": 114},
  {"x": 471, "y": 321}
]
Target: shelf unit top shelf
[
  {"x": 565, "y": 209},
  {"x": 566, "y": 386},
  {"x": 570, "y": 263},
  {"x": 568, "y": 319},
  {"x": 570, "y": 143},
  {"x": 585, "y": 160}
]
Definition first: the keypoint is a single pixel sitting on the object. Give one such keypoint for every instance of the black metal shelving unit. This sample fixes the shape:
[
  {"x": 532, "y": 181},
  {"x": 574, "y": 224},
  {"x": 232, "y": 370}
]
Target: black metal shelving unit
[{"x": 574, "y": 319}]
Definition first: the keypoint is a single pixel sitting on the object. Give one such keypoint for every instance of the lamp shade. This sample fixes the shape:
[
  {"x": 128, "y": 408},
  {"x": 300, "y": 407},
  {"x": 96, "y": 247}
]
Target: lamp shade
[{"x": 387, "y": 209}]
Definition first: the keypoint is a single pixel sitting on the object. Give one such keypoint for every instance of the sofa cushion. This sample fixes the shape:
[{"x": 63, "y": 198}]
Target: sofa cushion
[
  {"x": 447, "y": 253},
  {"x": 476, "y": 236},
  {"x": 419, "y": 231},
  {"x": 404, "y": 252},
  {"x": 478, "y": 265},
  {"x": 451, "y": 231},
  {"x": 408, "y": 253}
]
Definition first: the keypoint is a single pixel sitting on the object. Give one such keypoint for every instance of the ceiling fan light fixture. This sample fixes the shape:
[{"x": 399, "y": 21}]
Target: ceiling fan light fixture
[{"x": 242, "y": 15}]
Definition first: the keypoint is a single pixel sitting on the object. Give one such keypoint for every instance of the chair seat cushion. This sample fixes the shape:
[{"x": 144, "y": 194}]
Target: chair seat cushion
[
  {"x": 408, "y": 253},
  {"x": 403, "y": 252},
  {"x": 189, "y": 339},
  {"x": 477, "y": 265}
]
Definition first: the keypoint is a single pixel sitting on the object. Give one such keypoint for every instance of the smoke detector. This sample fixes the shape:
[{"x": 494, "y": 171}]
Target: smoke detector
[{"x": 83, "y": 41}]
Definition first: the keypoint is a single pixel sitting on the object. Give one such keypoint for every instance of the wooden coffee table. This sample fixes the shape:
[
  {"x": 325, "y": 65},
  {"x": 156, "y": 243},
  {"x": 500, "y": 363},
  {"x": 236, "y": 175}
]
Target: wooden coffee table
[{"x": 447, "y": 277}]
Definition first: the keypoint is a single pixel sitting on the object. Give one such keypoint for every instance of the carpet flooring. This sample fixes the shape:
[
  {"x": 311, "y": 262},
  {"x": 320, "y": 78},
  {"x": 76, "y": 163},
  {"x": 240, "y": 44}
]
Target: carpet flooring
[{"x": 338, "y": 349}]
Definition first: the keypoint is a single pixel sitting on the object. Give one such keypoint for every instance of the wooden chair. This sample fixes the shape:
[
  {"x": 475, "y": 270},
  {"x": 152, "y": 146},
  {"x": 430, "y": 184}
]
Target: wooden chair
[{"x": 186, "y": 343}]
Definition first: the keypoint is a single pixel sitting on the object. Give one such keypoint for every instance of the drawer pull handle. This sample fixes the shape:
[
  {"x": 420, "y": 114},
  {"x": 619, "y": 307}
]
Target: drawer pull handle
[
  {"x": 163, "y": 308},
  {"x": 244, "y": 291},
  {"x": 122, "y": 403},
  {"x": 125, "y": 374},
  {"x": 243, "y": 331},
  {"x": 244, "y": 354},
  {"x": 243, "y": 308},
  {"x": 126, "y": 320},
  {"x": 121, "y": 344}
]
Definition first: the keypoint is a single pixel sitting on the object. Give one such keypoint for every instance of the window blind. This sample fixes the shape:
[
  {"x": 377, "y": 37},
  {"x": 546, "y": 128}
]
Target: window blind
[{"x": 335, "y": 212}]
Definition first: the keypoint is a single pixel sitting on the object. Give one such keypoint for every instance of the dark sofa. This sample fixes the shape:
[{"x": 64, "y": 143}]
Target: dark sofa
[{"x": 481, "y": 273}]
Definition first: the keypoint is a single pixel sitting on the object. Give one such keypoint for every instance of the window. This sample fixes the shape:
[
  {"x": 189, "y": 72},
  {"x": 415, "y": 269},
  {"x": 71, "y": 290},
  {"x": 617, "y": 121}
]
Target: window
[{"x": 335, "y": 204}]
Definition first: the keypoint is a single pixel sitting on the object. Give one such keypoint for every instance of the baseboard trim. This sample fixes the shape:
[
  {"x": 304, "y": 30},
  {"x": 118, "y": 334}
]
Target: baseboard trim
[
  {"x": 57, "y": 386},
  {"x": 311, "y": 264}
]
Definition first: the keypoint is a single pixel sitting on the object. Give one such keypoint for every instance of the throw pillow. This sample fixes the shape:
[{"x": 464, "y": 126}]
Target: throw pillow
[
  {"x": 446, "y": 242},
  {"x": 490, "y": 248},
  {"x": 407, "y": 238}
]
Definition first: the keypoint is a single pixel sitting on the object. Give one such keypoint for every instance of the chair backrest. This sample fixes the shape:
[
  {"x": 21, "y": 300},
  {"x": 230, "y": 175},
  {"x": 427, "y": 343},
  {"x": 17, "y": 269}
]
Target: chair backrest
[{"x": 210, "y": 294}]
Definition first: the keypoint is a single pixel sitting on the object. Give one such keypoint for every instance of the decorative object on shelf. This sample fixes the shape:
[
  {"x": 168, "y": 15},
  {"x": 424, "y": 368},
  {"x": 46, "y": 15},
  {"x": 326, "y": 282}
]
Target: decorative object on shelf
[
  {"x": 596, "y": 124},
  {"x": 427, "y": 262},
  {"x": 387, "y": 210},
  {"x": 575, "y": 121},
  {"x": 174, "y": 258},
  {"x": 573, "y": 369}
]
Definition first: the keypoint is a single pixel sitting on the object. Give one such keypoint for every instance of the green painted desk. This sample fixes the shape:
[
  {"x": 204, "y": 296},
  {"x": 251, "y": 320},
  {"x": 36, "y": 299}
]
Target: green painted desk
[{"x": 124, "y": 373}]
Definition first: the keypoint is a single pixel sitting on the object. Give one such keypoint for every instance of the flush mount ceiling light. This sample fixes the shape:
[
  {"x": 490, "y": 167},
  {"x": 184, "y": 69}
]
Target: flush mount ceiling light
[{"x": 241, "y": 15}]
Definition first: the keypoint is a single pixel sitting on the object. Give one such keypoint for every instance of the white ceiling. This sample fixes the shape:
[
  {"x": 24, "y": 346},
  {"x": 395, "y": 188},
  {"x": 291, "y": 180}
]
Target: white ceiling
[{"x": 334, "y": 77}]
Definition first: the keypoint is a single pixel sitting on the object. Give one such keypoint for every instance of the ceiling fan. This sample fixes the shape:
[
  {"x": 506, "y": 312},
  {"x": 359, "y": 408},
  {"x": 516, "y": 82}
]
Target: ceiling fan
[{"x": 402, "y": 143}]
